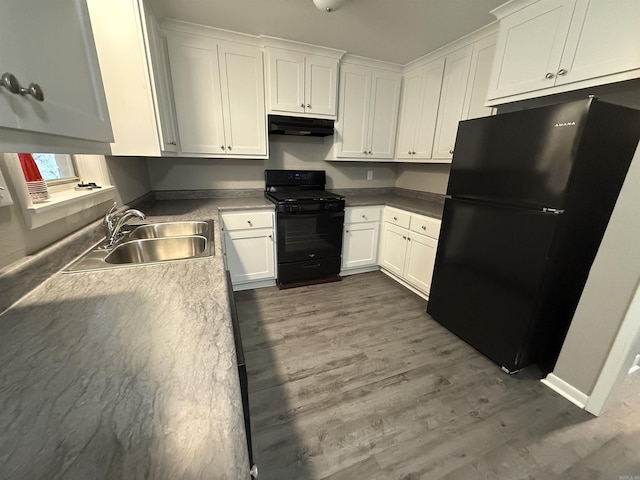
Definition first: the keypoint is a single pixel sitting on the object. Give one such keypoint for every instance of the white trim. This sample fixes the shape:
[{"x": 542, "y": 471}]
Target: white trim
[
  {"x": 238, "y": 287},
  {"x": 354, "y": 271},
  {"x": 568, "y": 391},
  {"x": 282, "y": 43},
  {"x": 211, "y": 32},
  {"x": 510, "y": 7},
  {"x": 621, "y": 357},
  {"x": 371, "y": 63}
]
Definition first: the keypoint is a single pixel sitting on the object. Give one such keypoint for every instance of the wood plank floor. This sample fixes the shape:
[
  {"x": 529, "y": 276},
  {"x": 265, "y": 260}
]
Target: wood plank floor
[{"x": 353, "y": 380}]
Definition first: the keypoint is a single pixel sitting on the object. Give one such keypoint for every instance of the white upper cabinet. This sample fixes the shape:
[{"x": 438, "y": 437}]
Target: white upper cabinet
[
  {"x": 567, "y": 44},
  {"x": 479, "y": 77},
  {"x": 51, "y": 50},
  {"x": 452, "y": 96},
  {"x": 368, "y": 112},
  {"x": 139, "y": 101},
  {"x": 441, "y": 89},
  {"x": 302, "y": 79},
  {"x": 219, "y": 96}
]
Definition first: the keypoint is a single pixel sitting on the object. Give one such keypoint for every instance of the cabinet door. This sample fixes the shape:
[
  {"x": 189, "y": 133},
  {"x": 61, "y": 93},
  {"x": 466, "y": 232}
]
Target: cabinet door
[
  {"x": 321, "y": 79},
  {"x": 420, "y": 259},
  {"x": 250, "y": 255},
  {"x": 360, "y": 245},
  {"x": 196, "y": 87},
  {"x": 479, "y": 76},
  {"x": 603, "y": 39},
  {"x": 355, "y": 95},
  {"x": 530, "y": 46},
  {"x": 394, "y": 248},
  {"x": 429, "y": 110},
  {"x": 286, "y": 80},
  {"x": 383, "y": 113},
  {"x": 165, "y": 115},
  {"x": 242, "y": 85},
  {"x": 412, "y": 92},
  {"x": 454, "y": 87},
  {"x": 50, "y": 43}
]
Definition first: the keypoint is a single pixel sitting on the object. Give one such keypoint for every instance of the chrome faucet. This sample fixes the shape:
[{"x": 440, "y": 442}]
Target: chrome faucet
[{"x": 113, "y": 223}]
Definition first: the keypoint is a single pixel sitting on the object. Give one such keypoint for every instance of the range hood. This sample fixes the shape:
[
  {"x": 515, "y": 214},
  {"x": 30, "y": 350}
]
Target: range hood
[{"x": 301, "y": 126}]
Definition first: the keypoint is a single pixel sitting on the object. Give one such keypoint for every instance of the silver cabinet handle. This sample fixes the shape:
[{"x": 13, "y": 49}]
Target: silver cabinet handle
[
  {"x": 222, "y": 147},
  {"x": 34, "y": 90},
  {"x": 10, "y": 82},
  {"x": 562, "y": 71},
  {"x": 228, "y": 147},
  {"x": 549, "y": 75}
]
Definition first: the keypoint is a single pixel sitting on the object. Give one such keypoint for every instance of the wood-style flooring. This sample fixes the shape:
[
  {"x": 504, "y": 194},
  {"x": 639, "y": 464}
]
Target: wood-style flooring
[{"x": 353, "y": 380}]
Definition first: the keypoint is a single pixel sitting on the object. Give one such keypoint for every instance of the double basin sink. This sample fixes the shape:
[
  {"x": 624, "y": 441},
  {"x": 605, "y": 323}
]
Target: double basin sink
[{"x": 150, "y": 243}]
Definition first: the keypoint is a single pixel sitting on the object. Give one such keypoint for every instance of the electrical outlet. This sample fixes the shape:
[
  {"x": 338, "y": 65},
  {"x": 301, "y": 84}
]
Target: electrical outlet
[{"x": 369, "y": 174}]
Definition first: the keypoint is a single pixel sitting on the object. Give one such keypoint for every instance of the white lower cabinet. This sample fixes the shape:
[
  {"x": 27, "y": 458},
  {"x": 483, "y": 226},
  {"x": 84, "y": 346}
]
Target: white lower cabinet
[
  {"x": 249, "y": 247},
  {"x": 360, "y": 239},
  {"x": 408, "y": 247}
]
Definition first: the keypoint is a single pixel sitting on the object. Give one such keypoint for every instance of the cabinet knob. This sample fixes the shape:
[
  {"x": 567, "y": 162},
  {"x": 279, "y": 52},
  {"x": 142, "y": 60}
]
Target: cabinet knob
[
  {"x": 369, "y": 152},
  {"x": 364, "y": 216},
  {"x": 10, "y": 82},
  {"x": 271, "y": 237},
  {"x": 451, "y": 152},
  {"x": 549, "y": 75},
  {"x": 409, "y": 239},
  {"x": 249, "y": 222},
  {"x": 172, "y": 143},
  {"x": 562, "y": 71},
  {"x": 308, "y": 105},
  {"x": 423, "y": 227},
  {"x": 364, "y": 151},
  {"x": 347, "y": 231},
  {"x": 409, "y": 152},
  {"x": 413, "y": 153},
  {"x": 34, "y": 90},
  {"x": 222, "y": 147},
  {"x": 302, "y": 105},
  {"x": 403, "y": 237},
  {"x": 228, "y": 147},
  {"x": 395, "y": 218}
]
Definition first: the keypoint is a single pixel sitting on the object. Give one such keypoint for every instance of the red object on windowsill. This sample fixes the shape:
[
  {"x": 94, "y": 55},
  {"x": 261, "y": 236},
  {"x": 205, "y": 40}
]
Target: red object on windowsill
[{"x": 29, "y": 168}]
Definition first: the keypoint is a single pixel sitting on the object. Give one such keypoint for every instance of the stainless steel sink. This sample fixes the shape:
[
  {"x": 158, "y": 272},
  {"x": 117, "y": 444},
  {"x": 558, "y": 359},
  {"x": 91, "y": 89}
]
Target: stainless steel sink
[
  {"x": 153, "y": 250},
  {"x": 150, "y": 243},
  {"x": 169, "y": 229}
]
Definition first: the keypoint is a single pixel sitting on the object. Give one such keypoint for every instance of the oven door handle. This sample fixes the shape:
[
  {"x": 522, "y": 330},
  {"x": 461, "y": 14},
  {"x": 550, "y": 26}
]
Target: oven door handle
[{"x": 311, "y": 214}]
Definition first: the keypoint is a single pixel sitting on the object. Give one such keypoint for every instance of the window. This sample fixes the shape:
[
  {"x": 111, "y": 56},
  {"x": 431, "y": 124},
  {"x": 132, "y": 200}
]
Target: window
[{"x": 56, "y": 168}]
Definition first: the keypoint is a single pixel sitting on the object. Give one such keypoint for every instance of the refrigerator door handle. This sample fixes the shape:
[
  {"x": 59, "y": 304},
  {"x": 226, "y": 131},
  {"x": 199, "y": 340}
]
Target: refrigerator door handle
[{"x": 555, "y": 211}]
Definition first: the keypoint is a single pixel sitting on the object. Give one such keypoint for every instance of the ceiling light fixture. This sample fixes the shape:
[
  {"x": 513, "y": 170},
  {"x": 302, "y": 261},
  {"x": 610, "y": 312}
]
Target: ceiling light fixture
[{"x": 329, "y": 5}]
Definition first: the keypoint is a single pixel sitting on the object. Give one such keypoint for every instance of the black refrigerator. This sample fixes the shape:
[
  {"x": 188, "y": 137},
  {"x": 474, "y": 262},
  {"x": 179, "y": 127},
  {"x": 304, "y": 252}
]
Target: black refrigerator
[{"x": 529, "y": 197}]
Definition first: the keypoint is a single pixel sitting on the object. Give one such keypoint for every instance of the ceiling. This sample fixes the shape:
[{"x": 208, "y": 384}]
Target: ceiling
[{"x": 393, "y": 30}]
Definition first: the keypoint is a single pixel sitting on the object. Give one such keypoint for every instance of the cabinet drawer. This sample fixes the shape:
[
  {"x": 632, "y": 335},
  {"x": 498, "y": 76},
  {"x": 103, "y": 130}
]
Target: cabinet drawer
[
  {"x": 425, "y": 225},
  {"x": 397, "y": 217},
  {"x": 362, "y": 214},
  {"x": 247, "y": 220}
]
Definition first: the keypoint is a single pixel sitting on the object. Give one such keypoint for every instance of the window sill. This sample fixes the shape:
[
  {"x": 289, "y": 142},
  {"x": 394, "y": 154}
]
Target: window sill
[{"x": 64, "y": 203}]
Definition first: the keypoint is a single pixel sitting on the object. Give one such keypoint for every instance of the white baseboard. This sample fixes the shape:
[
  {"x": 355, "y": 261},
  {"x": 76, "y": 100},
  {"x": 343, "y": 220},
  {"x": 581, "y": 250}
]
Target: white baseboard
[
  {"x": 353, "y": 271},
  {"x": 405, "y": 284},
  {"x": 251, "y": 285},
  {"x": 568, "y": 391}
]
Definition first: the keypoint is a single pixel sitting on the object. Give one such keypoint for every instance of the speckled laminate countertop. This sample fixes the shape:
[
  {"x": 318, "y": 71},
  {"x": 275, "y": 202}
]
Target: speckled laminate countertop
[{"x": 128, "y": 373}]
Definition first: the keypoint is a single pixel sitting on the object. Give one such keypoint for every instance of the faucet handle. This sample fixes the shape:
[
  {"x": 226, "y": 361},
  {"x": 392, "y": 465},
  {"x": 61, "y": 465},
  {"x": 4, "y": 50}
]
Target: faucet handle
[{"x": 109, "y": 221}]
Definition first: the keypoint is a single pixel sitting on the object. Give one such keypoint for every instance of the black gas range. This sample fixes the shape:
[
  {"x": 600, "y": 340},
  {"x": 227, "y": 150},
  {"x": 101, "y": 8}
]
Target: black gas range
[{"x": 309, "y": 223}]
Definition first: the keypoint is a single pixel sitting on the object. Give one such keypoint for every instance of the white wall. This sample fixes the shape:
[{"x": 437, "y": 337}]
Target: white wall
[
  {"x": 425, "y": 178},
  {"x": 609, "y": 290},
  {"x": 288, "y": 152},
  {"x": 129, "y": 176}
]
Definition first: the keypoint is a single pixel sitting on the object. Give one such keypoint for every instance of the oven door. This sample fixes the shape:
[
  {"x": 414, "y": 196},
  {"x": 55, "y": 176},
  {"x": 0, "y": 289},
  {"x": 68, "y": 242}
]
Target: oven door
[{"x": 308, "y": 236}]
